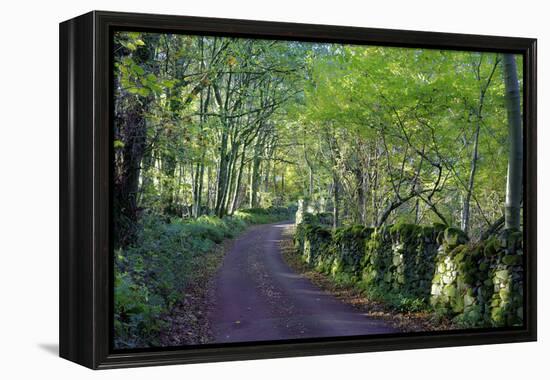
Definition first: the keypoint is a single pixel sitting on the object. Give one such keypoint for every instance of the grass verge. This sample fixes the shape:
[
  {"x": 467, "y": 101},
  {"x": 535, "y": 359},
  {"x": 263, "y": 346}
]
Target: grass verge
[{"x": 162, "y": 280}]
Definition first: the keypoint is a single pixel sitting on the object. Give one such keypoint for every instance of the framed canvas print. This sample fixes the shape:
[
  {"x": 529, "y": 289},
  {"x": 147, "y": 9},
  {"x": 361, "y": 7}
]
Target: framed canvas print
[{"x": 236, "y": 189}]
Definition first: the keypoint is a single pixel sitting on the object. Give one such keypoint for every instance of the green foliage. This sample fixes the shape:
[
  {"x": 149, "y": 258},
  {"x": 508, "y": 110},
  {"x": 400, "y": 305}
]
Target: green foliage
[
  {"x": 152, "y": 274},
  {"x": 136, "y": 313},
  {"x": 398, "y": 301},
  {"x": 265, "y": 215},
  {"x": 422, "y": 107},
  {"x": 377, "y": 140},
  {"x": 117, "y": 144}
]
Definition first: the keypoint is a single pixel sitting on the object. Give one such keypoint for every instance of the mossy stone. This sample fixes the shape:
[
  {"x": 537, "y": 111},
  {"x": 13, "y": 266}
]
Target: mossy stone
[
  {"x": 454, "y": 237},
  {"x": 511, "y": 260},
  {"x": 502, "y": 274},
  {"x": 504, "y": 294},
  {"x": 457, "y": 304},
  {"x": 468, "y": 300},
  {"x": 450, "y": 291}
]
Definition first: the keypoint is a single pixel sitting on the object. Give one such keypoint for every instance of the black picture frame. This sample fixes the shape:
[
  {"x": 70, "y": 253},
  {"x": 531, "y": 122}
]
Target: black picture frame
[{"x": 85, "y": 187}]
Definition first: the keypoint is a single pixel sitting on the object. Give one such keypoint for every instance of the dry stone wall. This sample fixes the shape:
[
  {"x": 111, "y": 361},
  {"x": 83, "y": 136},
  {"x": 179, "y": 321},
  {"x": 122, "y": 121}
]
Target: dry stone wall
[{"x": 477, "y": 284}]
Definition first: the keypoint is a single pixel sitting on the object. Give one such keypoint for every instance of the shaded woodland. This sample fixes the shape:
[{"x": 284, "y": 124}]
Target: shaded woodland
[{"x": 207, "y": 127}]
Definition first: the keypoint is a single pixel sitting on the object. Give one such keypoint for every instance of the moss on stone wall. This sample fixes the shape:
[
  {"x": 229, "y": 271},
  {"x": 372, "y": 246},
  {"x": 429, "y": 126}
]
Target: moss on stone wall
[
  {"x": 477, "y": 284},
  {"x": 481, "y": 284}
]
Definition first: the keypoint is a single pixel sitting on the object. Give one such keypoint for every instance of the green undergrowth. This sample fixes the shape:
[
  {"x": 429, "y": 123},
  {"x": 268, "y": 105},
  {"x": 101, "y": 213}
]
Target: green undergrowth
[
  {"x": 397, "y": 301},
  {"x": 152, "y": 274}
]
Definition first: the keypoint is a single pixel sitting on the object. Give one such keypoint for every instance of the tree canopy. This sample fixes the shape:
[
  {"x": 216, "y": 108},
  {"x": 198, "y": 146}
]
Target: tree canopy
[{"x": 374, "y": 135}]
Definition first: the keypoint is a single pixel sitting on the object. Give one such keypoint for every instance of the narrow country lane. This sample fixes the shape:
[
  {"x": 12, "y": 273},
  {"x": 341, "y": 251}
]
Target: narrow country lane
[{"x": 258, "y": 297}]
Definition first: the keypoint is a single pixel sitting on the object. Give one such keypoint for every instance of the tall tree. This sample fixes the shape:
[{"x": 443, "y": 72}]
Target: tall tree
[
  {"x": 515, "y": 155},
  {"x": 477, "y": 114},
  {"x": 133, "y": 54}
]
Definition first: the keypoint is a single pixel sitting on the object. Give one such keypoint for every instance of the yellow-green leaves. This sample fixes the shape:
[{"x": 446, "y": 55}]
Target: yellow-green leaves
[
  {"x": 118, "y": 144},
  {"x": 231, "y": 61}
]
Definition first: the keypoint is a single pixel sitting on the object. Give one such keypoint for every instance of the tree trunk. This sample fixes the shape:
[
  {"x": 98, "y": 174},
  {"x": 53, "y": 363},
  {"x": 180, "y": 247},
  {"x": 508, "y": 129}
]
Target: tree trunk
[
  {"x": 146, "y": 181},
  {"x": 267, "y": 168},
  {"x": 255, "y": 175},
  {"x": 198, "y": 211},
  {"x": 131, "y": 129},
  {"x": 310, "y": 192},
  {"x": 417, "y": 211},
  {"x": 126, "y": 182},
  {"x": 310, "y": 167},
  {"x": 203, "y": 106},
  {"x": 209, "y": 189},
  {"x": 235, "y": 199},
  {"x": 360, "y": 178},
  {"x": 169, "y": 164},
  {"x": 222, "y": 176},
  {"x": 336, "y": 201},
  {"x": 230, "y": 181},
  {"x": 515, "y": 155},
  {"x": 197, "y": 186},
  {"x": 465, "y": 222}
]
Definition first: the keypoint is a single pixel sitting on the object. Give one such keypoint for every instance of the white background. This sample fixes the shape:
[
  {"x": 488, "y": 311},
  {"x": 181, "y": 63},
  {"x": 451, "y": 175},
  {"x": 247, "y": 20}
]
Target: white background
[{"x": 29, "y": 187}]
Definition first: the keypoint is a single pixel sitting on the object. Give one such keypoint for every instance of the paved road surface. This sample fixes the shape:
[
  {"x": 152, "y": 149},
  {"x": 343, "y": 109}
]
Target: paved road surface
[{"x": 258, "y": 297}]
